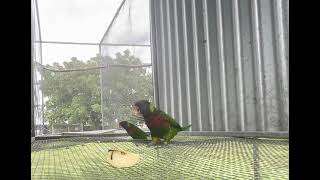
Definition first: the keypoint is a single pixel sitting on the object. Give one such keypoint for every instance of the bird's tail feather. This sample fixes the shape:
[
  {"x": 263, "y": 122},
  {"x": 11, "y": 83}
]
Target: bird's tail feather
[{"x": 185, "y": 128}]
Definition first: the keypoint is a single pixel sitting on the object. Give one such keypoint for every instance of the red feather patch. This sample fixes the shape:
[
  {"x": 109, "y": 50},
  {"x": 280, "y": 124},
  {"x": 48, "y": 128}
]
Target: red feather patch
[{"x": 157, "y": 121}]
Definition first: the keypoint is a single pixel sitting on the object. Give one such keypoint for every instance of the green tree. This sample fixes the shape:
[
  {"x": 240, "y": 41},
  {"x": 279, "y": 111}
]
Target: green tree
[
  {"x": 122, "y": 86},
  {"x": 75, "y": 97}
]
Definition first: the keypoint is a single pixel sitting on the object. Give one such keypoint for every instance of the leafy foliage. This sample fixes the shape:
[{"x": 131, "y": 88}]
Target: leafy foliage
[{"x": 75, "y": 97}]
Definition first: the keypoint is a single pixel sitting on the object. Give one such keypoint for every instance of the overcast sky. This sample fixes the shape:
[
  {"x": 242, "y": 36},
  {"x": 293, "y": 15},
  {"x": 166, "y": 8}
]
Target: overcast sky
[{"x": 85, "y": 21}]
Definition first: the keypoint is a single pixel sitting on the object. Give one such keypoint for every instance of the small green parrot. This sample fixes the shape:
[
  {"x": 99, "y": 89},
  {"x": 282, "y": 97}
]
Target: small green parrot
[
  {"x": 161, "y": 125},
  {"x": 133, "y": 130}
]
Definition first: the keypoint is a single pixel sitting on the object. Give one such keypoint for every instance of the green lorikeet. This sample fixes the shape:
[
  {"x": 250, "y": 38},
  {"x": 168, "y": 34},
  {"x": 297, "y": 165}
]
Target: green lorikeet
[
  {"x": 161, "y": 125},
  {"x": 133, "y": 130}
]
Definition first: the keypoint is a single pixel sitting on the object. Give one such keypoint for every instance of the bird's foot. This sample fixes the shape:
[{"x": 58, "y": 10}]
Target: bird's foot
[
  {"x": 168, "y": 143},
  {"x": 155, "y": 144},
  {"x": 155, "y": 140},
  {"x": 152, "y": 143}
]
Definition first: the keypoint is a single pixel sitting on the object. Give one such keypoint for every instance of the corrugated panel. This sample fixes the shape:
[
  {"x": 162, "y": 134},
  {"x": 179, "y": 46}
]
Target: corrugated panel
[{"x": 222, "y": 65}]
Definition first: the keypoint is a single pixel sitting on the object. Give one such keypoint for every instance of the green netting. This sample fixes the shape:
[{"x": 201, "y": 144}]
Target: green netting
[{"x": 188, "y": 157}]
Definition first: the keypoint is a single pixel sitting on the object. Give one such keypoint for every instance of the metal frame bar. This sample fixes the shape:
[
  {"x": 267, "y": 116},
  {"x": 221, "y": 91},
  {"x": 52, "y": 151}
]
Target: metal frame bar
[
  {"x": 32, "y": 88},
  {"x": 41, "y": 57},
  {"x": 101, "y": 90},
  {"x": 93, "y": 44},
  {"x": 239, "y": 134},
  {"x": 99, "y": 67},
  {"x": 38, "y": 19},
  {"x": 112, "y": 21}
]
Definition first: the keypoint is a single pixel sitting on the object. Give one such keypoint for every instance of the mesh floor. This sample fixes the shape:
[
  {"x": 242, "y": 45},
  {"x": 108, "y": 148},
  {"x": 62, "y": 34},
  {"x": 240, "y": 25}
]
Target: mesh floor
[{"x": 188, "y": 157}]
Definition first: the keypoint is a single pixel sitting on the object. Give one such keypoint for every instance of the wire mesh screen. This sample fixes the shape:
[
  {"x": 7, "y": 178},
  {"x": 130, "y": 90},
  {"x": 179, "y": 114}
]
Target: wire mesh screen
[
  {"x": 72, "y": 95},
  {"x": 130, "y": 25},
  {"x": 125, "y": 81},
  {"x": 188, "y": 157},
  {"x": 125, "y": 50}
]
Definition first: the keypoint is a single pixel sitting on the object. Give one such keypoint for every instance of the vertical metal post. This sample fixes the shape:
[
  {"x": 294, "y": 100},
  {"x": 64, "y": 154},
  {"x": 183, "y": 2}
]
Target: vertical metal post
[
  {"x": 32, "y": 57},
  {"x": 42, "y": 100},
  {"x": 101, "y": 88}
]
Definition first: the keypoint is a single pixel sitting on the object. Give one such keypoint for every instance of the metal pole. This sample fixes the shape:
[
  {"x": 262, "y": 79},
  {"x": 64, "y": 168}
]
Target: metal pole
[
  {"x": 101, "y": 88},
  {"x": 98, "y": 67},
  {"x": 32, "y": 89},
  {"x": 42, "y": 100},
  {"x": 93, "y": 44}
]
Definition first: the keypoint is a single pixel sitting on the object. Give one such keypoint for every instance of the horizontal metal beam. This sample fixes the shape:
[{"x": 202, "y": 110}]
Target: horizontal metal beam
[
  {"x": 281, "y": 135},
  {"x": 99, "y": 67},
  {"x": 276, "y": 135},
  {"x": 93, "y": 44}
]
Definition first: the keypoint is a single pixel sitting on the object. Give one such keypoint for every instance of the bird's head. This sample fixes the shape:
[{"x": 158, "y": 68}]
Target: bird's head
[{"x": 143, "y": 107}]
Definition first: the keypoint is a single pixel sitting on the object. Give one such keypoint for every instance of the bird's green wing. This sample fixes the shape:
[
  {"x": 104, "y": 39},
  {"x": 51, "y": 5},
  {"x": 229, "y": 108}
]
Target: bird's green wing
[
  {"x": 135, "y": 132},
  {"x": 172, "y": 121},
  {"x": 139, "y": 134}
]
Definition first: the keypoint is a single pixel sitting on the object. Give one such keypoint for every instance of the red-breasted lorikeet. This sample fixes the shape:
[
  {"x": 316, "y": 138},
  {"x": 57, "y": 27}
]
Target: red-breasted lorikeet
[{"x": 161, "y": 125}]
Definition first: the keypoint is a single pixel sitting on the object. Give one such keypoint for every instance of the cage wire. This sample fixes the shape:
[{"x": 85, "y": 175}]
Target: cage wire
[
  {"x": 130, "y": 26},
  {"x": 192, "y": 157},
  {"x": 118, "y": 81}
]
